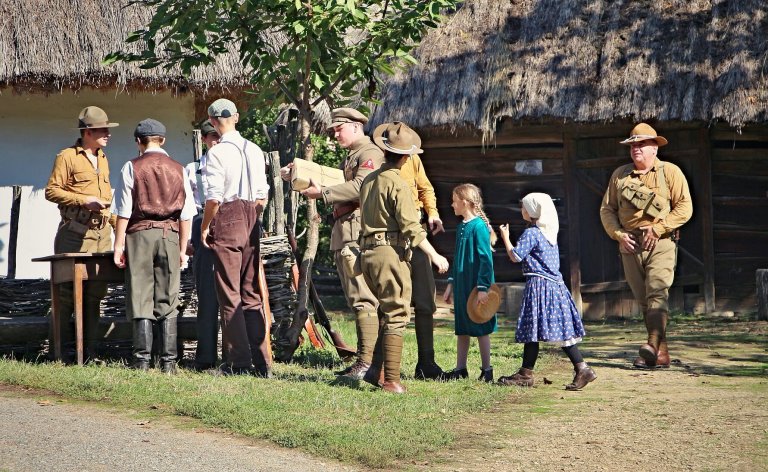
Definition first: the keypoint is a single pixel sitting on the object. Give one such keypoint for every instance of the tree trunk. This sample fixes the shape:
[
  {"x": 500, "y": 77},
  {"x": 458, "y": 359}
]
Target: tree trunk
[{"x": 305, "y": 269}]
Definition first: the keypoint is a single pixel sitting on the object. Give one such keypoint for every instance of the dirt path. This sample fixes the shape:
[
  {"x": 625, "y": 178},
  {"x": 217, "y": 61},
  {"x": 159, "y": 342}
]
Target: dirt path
[{"x": 709, "y": 411}]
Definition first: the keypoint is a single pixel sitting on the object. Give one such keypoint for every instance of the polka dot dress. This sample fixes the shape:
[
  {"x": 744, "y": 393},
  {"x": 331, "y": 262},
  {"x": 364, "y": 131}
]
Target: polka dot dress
[{"x": 547, "y": 313}]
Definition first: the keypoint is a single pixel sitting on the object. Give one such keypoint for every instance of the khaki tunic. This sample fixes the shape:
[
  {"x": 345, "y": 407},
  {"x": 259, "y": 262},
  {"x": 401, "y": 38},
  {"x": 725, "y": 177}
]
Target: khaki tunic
[
  {"x": 364, "y": 157},
  {"x": 648, "y": 273},
  {"x": 389, "y": 222}
]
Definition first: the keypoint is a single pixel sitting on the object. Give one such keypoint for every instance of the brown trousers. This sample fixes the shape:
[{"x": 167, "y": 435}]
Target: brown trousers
[{"x": 234, "y": 239}]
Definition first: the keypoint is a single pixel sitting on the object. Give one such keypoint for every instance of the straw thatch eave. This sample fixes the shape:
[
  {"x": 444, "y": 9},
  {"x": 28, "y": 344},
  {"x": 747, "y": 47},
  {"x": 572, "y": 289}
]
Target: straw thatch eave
[
  {"x": 587, "y": 61},
  {"x": 55, "y": 44}
]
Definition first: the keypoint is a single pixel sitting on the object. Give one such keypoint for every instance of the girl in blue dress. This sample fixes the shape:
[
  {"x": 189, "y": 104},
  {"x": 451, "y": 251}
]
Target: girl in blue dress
[
  {"x": 547, "y": 313},
  {"x": 472, "y": 268}
]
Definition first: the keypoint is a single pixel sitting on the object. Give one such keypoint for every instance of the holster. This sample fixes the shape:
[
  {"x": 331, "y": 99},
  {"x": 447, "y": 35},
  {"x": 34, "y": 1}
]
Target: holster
[{"x": 344, "y": 209}]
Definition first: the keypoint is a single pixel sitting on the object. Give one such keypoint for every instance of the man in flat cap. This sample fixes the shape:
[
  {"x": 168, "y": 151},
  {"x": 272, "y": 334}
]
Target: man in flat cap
[
  {"x": 207, "y": 320},
  {"x": 645, "y": 204},
  {"x": 79, "y": 185},
  {"x": 236, "y": 194},
  {"x": 363, "y": 158},
  {"x": 154, "y": 205}
]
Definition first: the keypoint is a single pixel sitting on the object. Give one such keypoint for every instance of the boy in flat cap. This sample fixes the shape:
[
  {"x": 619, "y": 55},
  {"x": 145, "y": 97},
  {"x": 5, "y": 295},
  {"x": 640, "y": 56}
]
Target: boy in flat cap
[
  {"x": 389, "y": 229},
  {"x": 154, "y": 205},
  {"x": 237, "y": 191},
  {"x": 644, "y": 205},
  {"x": 363, "y": 158},
  {"x": 207, "y": 320},
  {"x": 79, "y": 185}
]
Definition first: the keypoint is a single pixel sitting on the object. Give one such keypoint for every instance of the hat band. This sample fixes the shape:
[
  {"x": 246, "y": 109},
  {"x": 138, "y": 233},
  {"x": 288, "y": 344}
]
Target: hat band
[
  {"x": 83, "y": 124},
  {"x": 410, "y": 150}
]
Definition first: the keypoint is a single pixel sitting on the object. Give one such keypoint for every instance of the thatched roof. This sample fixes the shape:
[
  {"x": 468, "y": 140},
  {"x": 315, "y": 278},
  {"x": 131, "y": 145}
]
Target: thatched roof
[
  {"x": 60, "y": 43},
  {"x": 587, "y": 61}
]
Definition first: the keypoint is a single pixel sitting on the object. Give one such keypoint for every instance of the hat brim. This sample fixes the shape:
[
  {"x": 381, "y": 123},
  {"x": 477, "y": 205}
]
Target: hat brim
[
  {"x": 378, "y": 139},
  {"x": 97, "y": 126},
  {"x": 660, "y": 140},
  {"x": 483, "y": 313}
]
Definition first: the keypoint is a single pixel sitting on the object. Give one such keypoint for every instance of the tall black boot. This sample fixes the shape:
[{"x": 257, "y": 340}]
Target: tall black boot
[
  {"x": 142, "y": 344},
  {"x": 168, "y": 347}
]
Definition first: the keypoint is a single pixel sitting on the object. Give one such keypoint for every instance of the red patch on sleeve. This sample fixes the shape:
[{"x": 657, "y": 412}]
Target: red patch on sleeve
[{"x": 367, "y": 164}]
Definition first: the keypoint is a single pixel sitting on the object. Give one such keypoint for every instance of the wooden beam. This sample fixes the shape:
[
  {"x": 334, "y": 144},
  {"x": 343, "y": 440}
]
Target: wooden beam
[
  {"x": 572, "y": 209},
  {"x": 14, "y": 230},
  {"x": 707, "y": 220}
]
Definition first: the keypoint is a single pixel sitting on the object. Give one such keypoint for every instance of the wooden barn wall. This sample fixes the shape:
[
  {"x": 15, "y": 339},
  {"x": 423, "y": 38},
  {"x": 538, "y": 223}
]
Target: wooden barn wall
[
  {"x": 740, "y": 209},
  {"x": 722, "y": 245}
]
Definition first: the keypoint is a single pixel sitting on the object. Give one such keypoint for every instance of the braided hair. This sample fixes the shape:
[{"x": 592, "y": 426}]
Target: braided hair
[{"x": 472, "y": 194}]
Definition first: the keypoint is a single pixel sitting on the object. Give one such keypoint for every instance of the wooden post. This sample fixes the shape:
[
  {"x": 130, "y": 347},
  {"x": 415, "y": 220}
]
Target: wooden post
[
  {"x": 572, "y": 206},
  {"x": 277, "y": 204},
  {"x": 761, "y": 283},
  {"x": 197, "y": 144},
  {"x": 704, "y": 193},
  {"x": 13, "y": 239}
]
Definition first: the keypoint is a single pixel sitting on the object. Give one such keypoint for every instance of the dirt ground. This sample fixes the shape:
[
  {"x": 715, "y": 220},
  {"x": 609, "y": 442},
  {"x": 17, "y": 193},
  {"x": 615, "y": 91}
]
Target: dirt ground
[{"x": 708, "y": 412}]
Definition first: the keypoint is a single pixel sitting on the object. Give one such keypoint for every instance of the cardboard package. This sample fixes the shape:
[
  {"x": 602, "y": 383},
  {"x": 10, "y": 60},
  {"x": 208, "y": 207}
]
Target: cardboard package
[{"x": 324, "y": 176}]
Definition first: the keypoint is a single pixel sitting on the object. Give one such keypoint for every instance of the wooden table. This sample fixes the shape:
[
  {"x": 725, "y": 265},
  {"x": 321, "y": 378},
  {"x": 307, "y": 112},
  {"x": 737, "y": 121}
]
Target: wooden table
[{"x": 76, "y": 267}]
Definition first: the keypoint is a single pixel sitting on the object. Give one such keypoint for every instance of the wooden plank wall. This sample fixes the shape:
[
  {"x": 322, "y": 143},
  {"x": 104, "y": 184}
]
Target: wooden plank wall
[
  {"x": 450, "y": 161},
  {"x": 740, "y": 208}
]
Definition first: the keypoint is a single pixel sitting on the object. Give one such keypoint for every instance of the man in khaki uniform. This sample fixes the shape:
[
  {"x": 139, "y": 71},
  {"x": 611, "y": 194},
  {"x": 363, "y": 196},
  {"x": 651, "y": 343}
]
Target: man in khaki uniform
[
  {"x": 79, "y": 185},
  {"x": 364, "y": 157},
  {"x": 422, "y": 278},
  {"x": 389, "y": 229},
  {"x": 646, "y": 202}
]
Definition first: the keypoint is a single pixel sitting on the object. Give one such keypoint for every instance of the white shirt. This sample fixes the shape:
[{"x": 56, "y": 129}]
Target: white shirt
[
  {"x": 122, "y": 205},
  {"x": 226, "y": 173}
]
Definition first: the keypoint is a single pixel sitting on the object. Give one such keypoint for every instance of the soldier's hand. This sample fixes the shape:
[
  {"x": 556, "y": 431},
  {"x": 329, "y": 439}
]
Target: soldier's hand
[
  {"x": 183, "y": 261},
  {"x": 649, "y": 238},
  {"x": 441, "y": 263},
  {"x": 435, "y": 224},
  {"x": 313, "y": 191},
  {"x": 628, "y": 243},
  {"x": 285, "y": 172},
  {"x": 93, "y": 203},
  {"x": 190, "y": 249}
]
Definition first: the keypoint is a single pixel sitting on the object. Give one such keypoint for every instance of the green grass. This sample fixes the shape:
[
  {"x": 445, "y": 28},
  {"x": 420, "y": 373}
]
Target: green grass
[{"x": 303, "y": 406}]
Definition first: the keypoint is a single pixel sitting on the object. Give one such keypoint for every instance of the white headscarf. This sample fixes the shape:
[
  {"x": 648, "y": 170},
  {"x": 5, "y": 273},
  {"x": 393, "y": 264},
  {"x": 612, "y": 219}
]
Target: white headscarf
[{"x": 541, "y": 208}]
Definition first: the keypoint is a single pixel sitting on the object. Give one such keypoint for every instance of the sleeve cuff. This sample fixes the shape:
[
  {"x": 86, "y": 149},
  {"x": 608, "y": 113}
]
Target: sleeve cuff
[{"x": 482, "y": 288}]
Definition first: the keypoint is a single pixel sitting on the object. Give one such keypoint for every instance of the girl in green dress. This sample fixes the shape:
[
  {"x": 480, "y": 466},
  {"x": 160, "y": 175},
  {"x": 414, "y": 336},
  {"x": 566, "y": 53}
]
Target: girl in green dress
[{"x": 472, "y": 268}]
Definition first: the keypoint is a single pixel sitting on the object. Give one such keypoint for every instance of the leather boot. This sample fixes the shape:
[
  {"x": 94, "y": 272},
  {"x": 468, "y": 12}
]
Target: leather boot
[
  {"x": 426, "y": 367},
  {"x": 455, "y": 374},
  {"x": 168, "y": 346},
  {"x": 486, "y": 375},
  {"x": 523, "y": 378},
  {"x": 584, "y": 375},
  {"x": 142, "y": 344},
  {"x": 255, "y": 325},
  {"x": 392, "y": 347},
  {"x": 662, "y": 359},
  {"x": 357, "y": 370}
]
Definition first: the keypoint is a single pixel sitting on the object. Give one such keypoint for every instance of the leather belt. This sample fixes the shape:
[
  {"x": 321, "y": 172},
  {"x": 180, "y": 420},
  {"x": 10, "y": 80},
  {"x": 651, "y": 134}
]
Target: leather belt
[
  {"x": 344, "y": 209},
  {"x": 390, "y": 238}
]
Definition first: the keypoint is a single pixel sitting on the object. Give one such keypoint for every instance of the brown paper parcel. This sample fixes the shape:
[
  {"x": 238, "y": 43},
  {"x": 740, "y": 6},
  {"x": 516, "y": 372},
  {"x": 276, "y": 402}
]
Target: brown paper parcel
[{"x": 324, "y": 176}]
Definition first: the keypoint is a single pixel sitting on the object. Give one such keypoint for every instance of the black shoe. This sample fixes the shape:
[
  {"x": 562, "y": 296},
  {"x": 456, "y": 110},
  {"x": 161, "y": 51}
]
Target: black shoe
[
  {"x": 203, "y": 367},
  {"x": 228, "y": 370},
  {"x": 168, "y": 367},
  {"x": 486, "y": 375},
  {"x": 428, "y": 371},
  {"x": 456, "y": 374},
  {"x": 140, "y": 365}
]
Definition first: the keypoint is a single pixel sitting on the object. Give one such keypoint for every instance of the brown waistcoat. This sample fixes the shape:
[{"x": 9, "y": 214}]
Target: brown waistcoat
[{"x": 158, "y": 193}]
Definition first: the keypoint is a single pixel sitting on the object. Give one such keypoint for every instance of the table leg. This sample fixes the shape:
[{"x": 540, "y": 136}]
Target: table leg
[
  {"x": 77, "y": 289},
  {"x": 55, "y": 321}
]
